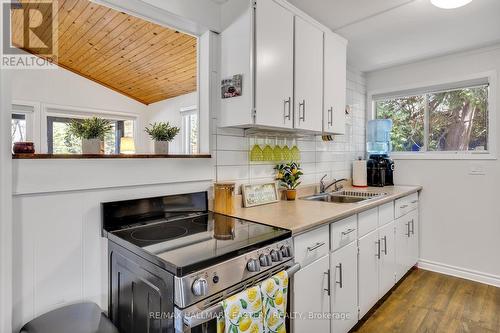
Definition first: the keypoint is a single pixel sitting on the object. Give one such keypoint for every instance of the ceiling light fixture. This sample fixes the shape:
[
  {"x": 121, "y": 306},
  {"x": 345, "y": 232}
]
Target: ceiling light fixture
[{"x": 450, "y": 4}]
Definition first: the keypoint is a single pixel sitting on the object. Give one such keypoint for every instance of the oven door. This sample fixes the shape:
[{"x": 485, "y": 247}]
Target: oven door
[{"x": 202, "y": 316}]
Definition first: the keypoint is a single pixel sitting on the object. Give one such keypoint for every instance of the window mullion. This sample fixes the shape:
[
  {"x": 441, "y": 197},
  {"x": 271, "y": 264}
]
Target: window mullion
[{"x": 426, "y": 123}]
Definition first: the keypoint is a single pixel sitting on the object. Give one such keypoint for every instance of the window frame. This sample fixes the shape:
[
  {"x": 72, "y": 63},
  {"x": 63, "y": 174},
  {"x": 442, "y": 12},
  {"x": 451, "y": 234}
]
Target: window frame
[
  {"x": 31, "y": 111},
  {"x": 490, "y": 154},
  {"x": 119, "y": 131},
  {"x": 64, "y": 111},
  {"x": 188, "y": 111}
]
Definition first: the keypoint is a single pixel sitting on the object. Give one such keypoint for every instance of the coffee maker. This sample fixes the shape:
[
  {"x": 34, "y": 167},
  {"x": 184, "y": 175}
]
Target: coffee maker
[{"x": 379, "y": 167}]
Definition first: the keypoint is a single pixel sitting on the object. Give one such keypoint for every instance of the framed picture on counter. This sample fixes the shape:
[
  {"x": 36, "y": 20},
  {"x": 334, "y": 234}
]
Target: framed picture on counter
[{"x": 259, "y": 194}]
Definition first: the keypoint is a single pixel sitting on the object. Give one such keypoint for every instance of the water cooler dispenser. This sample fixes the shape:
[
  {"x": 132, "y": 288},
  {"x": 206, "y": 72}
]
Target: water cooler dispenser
[{"x": 380, "y": 168}]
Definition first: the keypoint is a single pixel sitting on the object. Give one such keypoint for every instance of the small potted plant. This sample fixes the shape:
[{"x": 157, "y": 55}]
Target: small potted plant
[
  {"x": 288, "y": 175},
  {"x": 162, "y": 133},
  {"x": 91, "y": 131}
]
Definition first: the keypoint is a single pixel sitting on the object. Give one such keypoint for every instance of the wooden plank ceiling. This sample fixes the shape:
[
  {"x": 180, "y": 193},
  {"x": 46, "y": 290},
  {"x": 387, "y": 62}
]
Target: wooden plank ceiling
[{"x": 137, "y": 58}]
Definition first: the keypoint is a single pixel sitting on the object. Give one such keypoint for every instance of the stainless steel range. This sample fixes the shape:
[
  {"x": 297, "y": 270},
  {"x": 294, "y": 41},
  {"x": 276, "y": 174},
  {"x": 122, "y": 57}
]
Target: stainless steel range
[{"x": 171, "y": 261}]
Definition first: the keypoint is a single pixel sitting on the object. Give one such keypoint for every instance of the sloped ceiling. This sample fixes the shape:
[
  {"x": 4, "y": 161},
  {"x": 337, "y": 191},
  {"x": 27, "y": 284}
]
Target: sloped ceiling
[{"x": 142, "y": 60}]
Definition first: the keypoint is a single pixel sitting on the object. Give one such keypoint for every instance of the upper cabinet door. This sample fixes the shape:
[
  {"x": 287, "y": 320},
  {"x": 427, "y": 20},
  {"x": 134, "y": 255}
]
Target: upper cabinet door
[
  {"x": 274, "y": 65},
  {"x": 335, "y": 85},
  {"x": 308, "y": 105}
]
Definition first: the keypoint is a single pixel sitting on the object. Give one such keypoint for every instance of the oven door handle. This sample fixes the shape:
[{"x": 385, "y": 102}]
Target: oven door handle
[{"x": 216, "y": 310}]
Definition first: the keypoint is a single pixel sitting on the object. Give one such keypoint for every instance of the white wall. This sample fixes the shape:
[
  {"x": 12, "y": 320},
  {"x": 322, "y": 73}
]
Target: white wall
[
  {"x": 64, "y": 88},
  {"x": 170, "y": 110},
  {"x": 460, "y": 214}
]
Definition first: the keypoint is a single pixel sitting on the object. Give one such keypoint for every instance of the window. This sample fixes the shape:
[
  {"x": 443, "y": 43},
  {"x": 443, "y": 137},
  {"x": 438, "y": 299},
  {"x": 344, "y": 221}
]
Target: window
[
  {"x": 58, "y": 142},
  {"x": 439, "y": 119},
  {"x": 18, "y": 127},
  {"x": 189, "y": 131},
  {"x": 22, "y": 121}
]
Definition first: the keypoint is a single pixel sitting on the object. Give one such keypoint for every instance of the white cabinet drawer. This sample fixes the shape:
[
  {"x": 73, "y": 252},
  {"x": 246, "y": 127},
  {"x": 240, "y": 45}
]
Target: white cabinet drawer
[
  {"x": 386, "y": 213},
  {"x": 406, "y": 204},
  {"x": 311, "y": 245},
  {"x": 367, "y": 221},
  {"x": 343, "y": 232}
]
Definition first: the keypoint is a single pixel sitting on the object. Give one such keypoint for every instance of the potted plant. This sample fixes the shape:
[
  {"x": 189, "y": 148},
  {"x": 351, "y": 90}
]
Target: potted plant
[
  {"x": 91, "y": 131},
  {"x": 162, "y": 133},
  {"x": 288, "y": 175}
]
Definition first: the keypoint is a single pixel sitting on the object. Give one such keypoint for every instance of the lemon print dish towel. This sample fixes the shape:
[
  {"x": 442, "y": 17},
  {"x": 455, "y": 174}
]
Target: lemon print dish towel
[
  {"x": 260, "y": 309},
  {"x": 274, "y": 295},
  {"x": 242, "y": 313}
]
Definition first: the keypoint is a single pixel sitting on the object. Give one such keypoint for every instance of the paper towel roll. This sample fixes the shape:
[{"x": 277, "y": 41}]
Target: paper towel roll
[{"x": 359, "y": 173}]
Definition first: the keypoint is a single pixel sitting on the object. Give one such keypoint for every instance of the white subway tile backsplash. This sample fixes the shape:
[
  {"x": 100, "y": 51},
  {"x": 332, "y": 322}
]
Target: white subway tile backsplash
[
  {"x": 318, "y": 157},
  {"x": 226, "y": 157},
  {"x": 226, "y": 142}
]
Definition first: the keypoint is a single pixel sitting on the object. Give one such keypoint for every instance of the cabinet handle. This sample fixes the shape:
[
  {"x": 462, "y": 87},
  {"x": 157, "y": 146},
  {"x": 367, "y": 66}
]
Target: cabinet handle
[
  {"x": 327, "y": 273},
  {"x": 287, "y": 116},
  {"x": 408, "y": 227},
  {"x": 414, "y": 201},
  {"x": 303, "y": 105},
  {"x": 378, "y": 249},
  {"x": 412, "y": 226},
  {"x": 314, "y": 247},
  {"x": 340, "y": 282},
  {"x": 330, "y": 116},
  {"x": 385, "y": 244},
  {"x": 347, "y": 232},
  {"x": 404, "y": 206}
]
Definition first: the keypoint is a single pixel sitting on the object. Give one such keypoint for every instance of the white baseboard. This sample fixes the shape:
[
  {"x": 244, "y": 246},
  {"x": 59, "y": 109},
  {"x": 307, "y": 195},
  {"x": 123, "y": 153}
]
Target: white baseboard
[{"x": 468, "y": 274}]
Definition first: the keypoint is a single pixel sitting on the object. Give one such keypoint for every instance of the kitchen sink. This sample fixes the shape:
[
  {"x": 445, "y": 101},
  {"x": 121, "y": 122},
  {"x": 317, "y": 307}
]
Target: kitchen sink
[{"x": 344, "y": 196}]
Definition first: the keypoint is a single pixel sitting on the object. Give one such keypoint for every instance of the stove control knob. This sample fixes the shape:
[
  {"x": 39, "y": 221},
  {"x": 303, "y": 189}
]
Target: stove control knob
[
  {"x": 285, "y": 250},
  {"x": 276, "y": 256},
  {"x": 269, "y": 259},
  {"x": 200, "y": 287},
  {"x": 263, "y": 260},
  {"x": 253, "y": 265}
]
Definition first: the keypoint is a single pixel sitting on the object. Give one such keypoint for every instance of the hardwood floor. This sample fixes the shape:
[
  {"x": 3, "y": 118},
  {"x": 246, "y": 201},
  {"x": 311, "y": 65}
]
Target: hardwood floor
[{"x": 428, "y": 302}]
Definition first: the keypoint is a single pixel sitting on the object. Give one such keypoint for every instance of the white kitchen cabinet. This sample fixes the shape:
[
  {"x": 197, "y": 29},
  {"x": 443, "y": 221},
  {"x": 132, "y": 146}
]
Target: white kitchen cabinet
[
  {"x": 335, "y": 78},
  {"x": 406, "y": 249},
  {"x": 279, "y": 53},
  {"x": 368, "y": 271},
  {"x": 308, "y": 104},
  {"x": 344, "y": 288},
  {"x": 311, "y": 246},
  {"x": 413, "y": 244},
  {"x": 387, "y": 267},
  {"x": 274, "y": 65},
  {"x": 310, "y": 296}
]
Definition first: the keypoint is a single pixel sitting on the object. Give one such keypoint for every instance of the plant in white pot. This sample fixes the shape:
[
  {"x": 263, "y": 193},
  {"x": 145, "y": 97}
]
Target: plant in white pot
[
  {"x": 91, "y": 131},
  {"x": 162, "y": 133}
]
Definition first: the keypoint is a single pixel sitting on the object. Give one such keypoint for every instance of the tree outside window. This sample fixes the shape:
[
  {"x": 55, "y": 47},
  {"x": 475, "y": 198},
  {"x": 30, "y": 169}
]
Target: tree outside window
[{"x": 449, "y": 120}]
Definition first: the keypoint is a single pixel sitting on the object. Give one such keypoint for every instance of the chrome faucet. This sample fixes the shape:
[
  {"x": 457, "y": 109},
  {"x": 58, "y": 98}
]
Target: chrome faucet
[{"x": 323, "y": 187}]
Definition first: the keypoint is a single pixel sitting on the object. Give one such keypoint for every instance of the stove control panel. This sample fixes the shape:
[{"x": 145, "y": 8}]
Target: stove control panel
[{"x": 194, "y": 287}]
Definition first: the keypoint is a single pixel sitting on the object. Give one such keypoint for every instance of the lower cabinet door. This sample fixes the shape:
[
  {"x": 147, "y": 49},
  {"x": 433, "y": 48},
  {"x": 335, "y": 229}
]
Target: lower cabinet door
[
  {"x": 368, "y": 265},
  {"x": 344, "y": 288},
  {"x": 402, "y": 248},
  {"x": 311, "y": 302},
  {"x": 387, "y": 269},
  {"x": 413, "y": 247}
]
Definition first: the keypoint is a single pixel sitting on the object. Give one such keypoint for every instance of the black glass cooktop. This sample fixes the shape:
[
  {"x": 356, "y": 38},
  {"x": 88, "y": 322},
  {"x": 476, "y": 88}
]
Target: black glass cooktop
[
  {"x": 200, "y": 239},
  {"x": 180, "y": 234}
]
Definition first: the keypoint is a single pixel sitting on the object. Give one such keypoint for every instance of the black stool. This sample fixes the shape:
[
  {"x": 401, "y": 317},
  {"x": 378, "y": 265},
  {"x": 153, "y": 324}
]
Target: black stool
[{"x": 76, "y": 318}]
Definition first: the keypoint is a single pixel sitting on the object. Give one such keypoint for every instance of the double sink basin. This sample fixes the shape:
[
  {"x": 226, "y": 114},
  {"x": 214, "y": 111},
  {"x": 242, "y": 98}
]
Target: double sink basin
[{"x": 344, "y": 196}]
